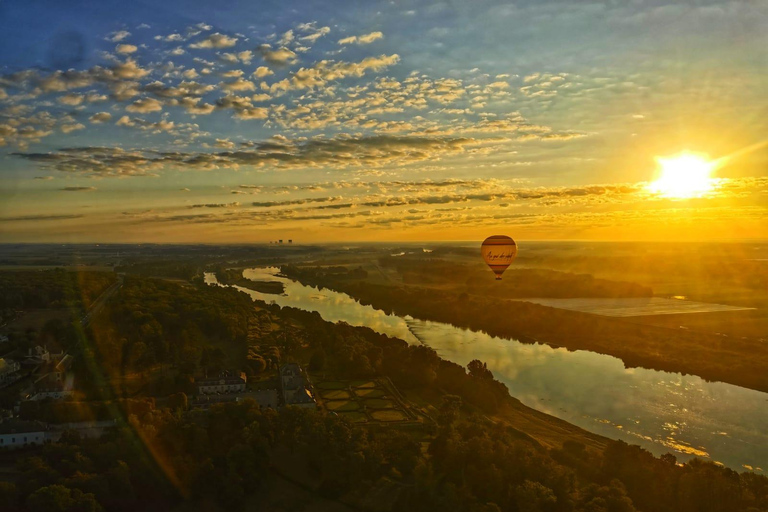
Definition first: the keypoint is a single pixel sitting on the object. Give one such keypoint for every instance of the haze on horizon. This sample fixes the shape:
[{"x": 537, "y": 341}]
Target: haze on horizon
[{"x": 337, "y": 121}]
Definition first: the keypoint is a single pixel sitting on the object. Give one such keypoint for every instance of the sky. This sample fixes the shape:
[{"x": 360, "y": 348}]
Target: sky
[{"x": 249, "y": 121}]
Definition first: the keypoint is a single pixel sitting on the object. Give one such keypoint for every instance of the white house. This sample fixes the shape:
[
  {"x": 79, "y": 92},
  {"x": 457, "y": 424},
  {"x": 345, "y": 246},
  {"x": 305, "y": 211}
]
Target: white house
[
  {"x": 224, "y": 383},
  {"x": 57, "y": 382},
  {"x": 17, "y": 433},
  {"x": 294, "y": 387}
]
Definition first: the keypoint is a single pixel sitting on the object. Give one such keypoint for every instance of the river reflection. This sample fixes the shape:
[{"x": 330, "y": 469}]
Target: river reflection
[{"x": 660, "y": 411}]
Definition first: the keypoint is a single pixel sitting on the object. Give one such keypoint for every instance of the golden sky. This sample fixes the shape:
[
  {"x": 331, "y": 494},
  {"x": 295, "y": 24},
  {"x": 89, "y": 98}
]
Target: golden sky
[{"x": 382, "y": 121}]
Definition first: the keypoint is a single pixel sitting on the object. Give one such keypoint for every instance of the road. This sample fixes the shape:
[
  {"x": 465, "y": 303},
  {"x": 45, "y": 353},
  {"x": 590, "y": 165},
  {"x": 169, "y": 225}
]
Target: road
[{"x": 99, "y": 303}]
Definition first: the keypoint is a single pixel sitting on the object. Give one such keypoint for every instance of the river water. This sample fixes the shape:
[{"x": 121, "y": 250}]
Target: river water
[{"x": 661, "y": 411}]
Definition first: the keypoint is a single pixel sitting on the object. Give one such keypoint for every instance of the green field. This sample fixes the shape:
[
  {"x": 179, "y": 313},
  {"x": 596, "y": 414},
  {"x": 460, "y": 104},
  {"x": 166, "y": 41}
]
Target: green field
[
  {"x": 363, "y": 384},
  {"x": 354, "y": 416},
  {"x": 342, "y": 405},
  {"x": 331, "y": 384},
  {"x": 336, "y": 394},
  {"x": 369, "y": 392},
  {"x": 388, "y": 415},
  {"x": 379, "y": 403}
]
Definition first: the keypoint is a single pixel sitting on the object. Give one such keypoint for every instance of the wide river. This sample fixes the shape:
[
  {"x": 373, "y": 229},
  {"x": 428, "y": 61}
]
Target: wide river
[{"x": 661, "y": 411}]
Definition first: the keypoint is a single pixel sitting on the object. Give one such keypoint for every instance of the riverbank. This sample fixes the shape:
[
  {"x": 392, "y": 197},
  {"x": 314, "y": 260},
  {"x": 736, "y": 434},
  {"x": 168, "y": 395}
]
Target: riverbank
[{"x": 712, "y": 357}]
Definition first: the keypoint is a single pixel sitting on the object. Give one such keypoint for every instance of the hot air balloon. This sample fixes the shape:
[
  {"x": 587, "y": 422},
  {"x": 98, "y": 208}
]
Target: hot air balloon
[{"x": 498, "y": 252}]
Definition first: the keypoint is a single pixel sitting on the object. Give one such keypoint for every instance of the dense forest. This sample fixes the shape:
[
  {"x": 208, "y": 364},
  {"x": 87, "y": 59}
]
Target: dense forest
[
  {"x": 709, "y": 356},
  {"x": 153, "y": 322},
  {"x": 164, "y": 268},
  {"x": 223, "y": 458},
  {"x": 54, "y": 288}
]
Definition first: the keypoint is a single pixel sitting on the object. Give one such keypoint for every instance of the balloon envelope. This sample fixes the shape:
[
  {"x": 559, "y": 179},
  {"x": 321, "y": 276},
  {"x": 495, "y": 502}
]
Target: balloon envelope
[{"x": 498, "y": 252}]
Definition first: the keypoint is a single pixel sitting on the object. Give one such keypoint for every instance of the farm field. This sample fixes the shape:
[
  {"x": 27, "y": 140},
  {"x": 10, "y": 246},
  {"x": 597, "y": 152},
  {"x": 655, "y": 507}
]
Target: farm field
[
  {"x": 362, "y": 401},
  {"x": 640, "y": 306}
]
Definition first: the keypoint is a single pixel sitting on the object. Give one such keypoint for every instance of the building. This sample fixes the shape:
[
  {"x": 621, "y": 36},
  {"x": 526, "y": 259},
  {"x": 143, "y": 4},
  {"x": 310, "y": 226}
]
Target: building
[
  {"x": 9, "y": 372},
  {"x": 56, "y": 380},
  {"x": 16, "y": 433},
  {"x": 294, "y": 387},
  {"x": 267, "y": 398},
  {"x": 226, "y": 382},
  {"x": 40, "y": 354}
]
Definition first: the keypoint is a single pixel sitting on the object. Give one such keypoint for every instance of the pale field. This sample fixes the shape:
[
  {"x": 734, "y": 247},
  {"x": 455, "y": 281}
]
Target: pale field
[{"x": 628, "y": 307}]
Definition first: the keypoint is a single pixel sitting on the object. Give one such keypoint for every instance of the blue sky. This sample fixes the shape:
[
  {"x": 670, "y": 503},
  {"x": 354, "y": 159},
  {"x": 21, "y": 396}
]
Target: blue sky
[{"x": 234, "y": 121}]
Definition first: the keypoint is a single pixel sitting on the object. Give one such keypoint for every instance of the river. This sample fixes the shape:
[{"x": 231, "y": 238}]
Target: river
[{"x": 661, "y": 411}]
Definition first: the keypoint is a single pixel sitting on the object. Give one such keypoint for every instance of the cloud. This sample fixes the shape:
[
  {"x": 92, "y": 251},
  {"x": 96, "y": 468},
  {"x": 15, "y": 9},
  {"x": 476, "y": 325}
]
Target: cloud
[
  {"x": 78, "y": 189},
  {"x": 118, "y": 36},
  {"x": 36, "y": 218},
  {"x": 238, "y": 85},
  {"x": 70, "y": 99},
  {"x": 145, "y": 105},
  {"x": 262, "y": 71},
  {"x": 69, "y": 128},
  {"x": 215, "y": 40},
  {"x": 323, "y": 71},
  {"x": 279, "y": 57},
  {"x": 126, "y": 49},
  {"x": 157, "y": 127},
  {"x": 100, "y": 117},
  {"x": 277, "y": 153},
  {"x": 29, "y": 132},
  {"x": 316, "y": 34},
  {"x": 216, "y": 205},
  {"x": 364, "y": 39},
  {"x": 193, "y": 106}
]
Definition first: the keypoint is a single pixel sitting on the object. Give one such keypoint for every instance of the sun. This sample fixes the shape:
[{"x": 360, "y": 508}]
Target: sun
[{"x": 683, "y": 176}]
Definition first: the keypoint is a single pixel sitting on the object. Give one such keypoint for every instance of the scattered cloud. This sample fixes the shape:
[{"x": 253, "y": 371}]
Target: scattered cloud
[
  {"x": 118, "y": 36},
  {"x": 78, "y": 189},
  {"x": 100, "y": 117},
  {"x": 145, "y": 105},
  {"x": 126, "y": 49},
  {"x": 279, "y": 57},
  {"x": 215, "y": 40},
  {"x": 38, "y": 218},
  {"x": 363, "y": 39}
]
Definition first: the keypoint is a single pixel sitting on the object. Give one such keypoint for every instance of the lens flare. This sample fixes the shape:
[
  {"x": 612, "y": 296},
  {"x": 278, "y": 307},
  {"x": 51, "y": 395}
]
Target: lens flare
[{"x": 683, "y": 176}]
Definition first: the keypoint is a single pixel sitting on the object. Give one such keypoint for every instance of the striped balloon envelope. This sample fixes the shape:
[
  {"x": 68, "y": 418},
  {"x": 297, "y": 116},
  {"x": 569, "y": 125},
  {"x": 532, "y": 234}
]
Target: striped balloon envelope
[{"x": 498, "y": 252}]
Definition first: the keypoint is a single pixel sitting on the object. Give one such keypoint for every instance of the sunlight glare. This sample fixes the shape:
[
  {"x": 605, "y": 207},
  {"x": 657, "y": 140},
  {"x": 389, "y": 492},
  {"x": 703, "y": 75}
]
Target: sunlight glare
[{"x": 683, "y": 176}]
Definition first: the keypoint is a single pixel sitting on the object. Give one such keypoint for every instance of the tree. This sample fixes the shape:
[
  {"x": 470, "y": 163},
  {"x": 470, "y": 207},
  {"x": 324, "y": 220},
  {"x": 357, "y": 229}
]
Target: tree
[
  {"x": 534, "y": 497},
  {"x": 449, "y": 410},
  {"x": 479, "y": 370},
  {"x": 53, "y": 498},
  {"x": 178, "y": 401},
  {"x": 317, "y": 361},
  {"x": 9, "y": 496}
]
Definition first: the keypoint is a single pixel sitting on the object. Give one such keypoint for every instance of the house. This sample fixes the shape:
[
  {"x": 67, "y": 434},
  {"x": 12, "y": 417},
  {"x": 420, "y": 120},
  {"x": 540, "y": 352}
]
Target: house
[
  {"x": 294, "y": 387},
  {"x": 56, "y": 380},
  {"x": 41, "y": 354},
  {"x": 226, "y": 382},
  {"x": 267, "y": 398},
  {"x": 16, "y": 433},
  {"x": 9, "y": 372}
]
